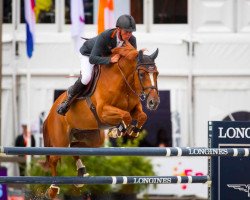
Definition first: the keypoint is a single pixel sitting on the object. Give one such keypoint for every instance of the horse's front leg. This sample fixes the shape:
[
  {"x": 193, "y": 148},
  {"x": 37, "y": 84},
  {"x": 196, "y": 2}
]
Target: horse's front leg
[
  {"x": 116, "y": 117},
  {"x": 139, "y": 116},
  {"x": 81, "y": 169}
]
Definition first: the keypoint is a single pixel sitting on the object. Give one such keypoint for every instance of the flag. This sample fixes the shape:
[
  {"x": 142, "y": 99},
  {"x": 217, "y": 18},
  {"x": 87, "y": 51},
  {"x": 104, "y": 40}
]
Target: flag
[
  {"x": 42, "y": 5},
  {"x": 30, "y": 20},
  {"x": 105, "y": 15},
  {"x": 77, "y": 17},
  {"x": 77, "y": 22}
]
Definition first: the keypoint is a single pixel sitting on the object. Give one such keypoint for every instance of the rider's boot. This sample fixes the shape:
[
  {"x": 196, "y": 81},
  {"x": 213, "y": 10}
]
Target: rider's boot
[{"x": 72, "y": 94}]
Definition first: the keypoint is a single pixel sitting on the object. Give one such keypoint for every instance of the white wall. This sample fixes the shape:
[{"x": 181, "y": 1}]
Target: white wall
[{"x": 206, "y": 67}]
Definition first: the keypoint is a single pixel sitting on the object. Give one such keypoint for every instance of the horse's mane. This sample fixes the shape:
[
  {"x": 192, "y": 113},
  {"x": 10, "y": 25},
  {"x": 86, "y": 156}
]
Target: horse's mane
[{"x": 127, "y": 51}]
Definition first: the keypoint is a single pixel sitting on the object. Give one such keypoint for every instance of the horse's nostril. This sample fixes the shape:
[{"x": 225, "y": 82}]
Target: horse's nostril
[{"x": 151, "y": 102}]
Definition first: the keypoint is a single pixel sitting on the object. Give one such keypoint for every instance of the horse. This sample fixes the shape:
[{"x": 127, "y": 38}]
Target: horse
[{"x": 115, "y": 103}]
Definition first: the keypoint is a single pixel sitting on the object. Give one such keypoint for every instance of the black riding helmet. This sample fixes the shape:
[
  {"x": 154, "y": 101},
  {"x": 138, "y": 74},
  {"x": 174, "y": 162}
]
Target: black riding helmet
[{"x": 126, "y": 22}]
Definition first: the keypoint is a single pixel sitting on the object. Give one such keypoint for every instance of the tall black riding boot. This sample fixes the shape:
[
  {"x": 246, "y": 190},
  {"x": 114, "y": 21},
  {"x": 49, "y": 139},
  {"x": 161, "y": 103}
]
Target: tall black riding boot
[{"x": 73, "y": 92}]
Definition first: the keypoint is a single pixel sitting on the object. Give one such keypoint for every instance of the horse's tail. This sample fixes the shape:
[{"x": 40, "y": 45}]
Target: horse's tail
[{"x": 46, "y": 141}]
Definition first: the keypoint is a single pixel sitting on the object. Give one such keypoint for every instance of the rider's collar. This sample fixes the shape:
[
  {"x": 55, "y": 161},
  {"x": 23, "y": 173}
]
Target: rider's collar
[
  {"x": 114, "y": 33},
  {"x": 119, "y": 42}
]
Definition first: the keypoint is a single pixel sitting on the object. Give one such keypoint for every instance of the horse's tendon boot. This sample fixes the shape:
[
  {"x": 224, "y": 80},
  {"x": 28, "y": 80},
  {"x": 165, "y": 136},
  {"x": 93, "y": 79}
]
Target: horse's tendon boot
[
  {"x": 133, "y": 131},
  {"x": 82, "y": 172},
  {"x": 112, "y": 133},
  {"x": 119, "y": 131}
]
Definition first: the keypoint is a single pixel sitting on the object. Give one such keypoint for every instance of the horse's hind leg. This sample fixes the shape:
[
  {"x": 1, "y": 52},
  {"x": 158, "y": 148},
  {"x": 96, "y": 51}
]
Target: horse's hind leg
[
  {"x": 53, "y": 190},
  {"x": 81, "y": 169}
]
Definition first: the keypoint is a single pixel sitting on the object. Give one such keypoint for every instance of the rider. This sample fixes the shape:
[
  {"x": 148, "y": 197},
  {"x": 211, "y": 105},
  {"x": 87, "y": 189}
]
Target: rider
[{"x": 97, "y": 51}]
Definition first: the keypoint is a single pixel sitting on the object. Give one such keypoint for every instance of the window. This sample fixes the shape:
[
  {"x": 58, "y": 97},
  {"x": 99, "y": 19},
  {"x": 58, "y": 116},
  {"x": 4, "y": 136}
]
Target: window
[
  {"x": 7, "y": 11},
  {"x": 170, "y": 12},
  {"x": 55, "y": 14},
  {"x": 88, "y": 11},
  {"x": 136, "y": 10},
  {"x": 45, "y": 11}
]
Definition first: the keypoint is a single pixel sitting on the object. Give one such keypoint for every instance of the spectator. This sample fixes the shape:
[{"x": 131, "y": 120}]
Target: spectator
[{"x": 21, "y": 141}]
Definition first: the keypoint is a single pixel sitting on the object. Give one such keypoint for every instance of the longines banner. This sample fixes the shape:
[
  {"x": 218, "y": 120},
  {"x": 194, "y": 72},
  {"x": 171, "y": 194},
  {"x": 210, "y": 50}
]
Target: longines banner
[{"x": 230, "y": 175}]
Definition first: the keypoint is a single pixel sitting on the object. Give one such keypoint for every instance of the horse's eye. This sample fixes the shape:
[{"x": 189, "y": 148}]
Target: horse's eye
[{"x": 141, "y": 75}]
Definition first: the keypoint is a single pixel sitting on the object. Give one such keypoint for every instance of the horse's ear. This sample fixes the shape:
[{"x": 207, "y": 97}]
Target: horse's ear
[
  {"x": 154, "y": 55},
  {"x": 140, "y": 56}
]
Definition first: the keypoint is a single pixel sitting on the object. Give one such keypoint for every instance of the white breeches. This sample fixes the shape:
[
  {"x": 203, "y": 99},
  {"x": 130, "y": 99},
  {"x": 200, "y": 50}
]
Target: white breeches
[{"x": 86, "y": 69}]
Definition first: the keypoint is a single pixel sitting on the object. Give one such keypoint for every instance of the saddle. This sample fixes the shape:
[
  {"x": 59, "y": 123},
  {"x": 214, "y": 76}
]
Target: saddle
[{"x": 90, "y": 88}]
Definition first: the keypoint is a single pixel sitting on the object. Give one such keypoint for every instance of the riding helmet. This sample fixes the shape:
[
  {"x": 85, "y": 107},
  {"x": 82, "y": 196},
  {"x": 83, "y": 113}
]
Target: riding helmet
[{"x": 126, "y": 22}]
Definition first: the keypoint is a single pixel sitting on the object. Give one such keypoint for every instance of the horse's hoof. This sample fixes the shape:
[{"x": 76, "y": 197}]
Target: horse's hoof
[
  {"x": 81, "y": 185},
  {"x": 52, "y": 192},
  {"x": 132, "y": 134}
]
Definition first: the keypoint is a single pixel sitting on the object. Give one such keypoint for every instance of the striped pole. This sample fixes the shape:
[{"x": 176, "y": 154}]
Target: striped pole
[
  {"x": 133, "y": 151},
  {"x": 104, "y": 180}
]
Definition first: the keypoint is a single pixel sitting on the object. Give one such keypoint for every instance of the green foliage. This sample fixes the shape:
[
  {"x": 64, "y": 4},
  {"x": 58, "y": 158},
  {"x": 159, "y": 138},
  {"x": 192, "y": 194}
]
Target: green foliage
[
  {"x": 66, "y": 167},
  {"x": 101, "y": 166}
]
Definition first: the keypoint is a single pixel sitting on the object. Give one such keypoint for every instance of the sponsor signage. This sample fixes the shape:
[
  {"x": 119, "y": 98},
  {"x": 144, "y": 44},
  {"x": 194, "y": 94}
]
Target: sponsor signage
[
  {"x": 208, "y": 151},
  {"x": 152, "y": 180},
  {"x": 230, "y": 175}
]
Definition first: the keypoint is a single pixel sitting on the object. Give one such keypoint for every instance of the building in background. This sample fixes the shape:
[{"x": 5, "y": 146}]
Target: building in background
[{"x": 203, "y": 61}]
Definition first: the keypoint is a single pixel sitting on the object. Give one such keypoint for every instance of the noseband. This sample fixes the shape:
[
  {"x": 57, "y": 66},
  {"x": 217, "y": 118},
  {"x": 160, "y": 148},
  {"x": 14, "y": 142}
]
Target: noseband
[{"x": 147, "y": 67}]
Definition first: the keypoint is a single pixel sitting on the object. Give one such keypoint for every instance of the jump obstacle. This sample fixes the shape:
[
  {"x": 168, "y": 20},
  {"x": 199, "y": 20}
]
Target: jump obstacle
[
  {"x": 119, "y": 151},
  {"x": 219, "y": 178},
  {"x": 133, "y": 151},
  {"x": 105, "y": 180}
]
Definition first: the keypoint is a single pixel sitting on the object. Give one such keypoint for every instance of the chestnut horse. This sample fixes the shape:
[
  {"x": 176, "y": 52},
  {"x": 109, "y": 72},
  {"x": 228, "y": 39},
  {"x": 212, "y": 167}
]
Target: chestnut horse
[{"x": 117, "y": 101}]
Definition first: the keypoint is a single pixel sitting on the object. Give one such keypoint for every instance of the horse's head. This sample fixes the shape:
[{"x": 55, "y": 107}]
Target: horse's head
[
  {"x": 144, "y": 72},
  {"x": 147, "y": 74}
]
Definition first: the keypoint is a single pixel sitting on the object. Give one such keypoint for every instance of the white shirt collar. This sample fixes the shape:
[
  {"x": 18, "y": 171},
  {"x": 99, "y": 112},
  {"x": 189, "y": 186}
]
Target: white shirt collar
[{"x": 119, "y": 42}]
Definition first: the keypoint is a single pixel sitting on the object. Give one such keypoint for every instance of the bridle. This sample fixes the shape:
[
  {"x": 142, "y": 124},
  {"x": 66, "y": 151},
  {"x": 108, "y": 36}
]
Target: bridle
[{"x": 147, "y": 67}]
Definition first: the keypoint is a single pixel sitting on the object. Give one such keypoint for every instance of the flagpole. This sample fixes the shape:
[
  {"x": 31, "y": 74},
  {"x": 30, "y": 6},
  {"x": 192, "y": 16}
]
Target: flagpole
[
  {"x": 30, "y": 29},
  {"x": 28, "y": 157},
  {"x": 14, "y": 72}
]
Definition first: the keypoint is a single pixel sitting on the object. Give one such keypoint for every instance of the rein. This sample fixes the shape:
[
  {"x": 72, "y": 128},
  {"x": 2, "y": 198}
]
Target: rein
[
  {"x": 142, "y": 95},
  {"x": 139, "y": 95}
]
